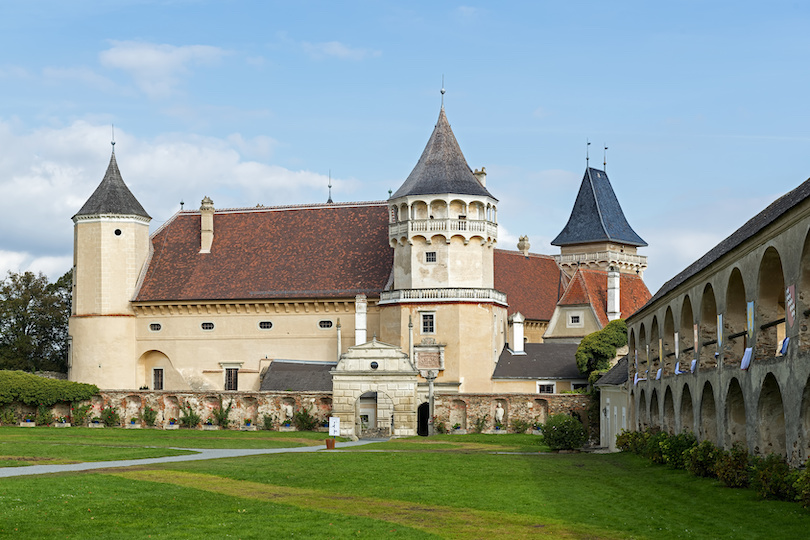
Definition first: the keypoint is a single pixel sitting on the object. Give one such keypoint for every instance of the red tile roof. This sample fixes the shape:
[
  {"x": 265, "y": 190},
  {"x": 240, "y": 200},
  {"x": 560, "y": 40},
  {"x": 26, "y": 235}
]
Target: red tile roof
[
  {"x": 590, "y": 287},
  {"x": 532, "y": 284},
  {"x": 331, "y": 250}
]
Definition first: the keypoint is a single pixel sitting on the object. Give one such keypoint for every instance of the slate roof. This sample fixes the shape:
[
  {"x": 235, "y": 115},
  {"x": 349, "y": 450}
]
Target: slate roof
[
  {"x": 751, "y": 227},
  {"x": 283, "y": 375},
  {"x": 442, "y": 168},
  {"x": 590, "y": 287},
  {"x": 616, "y": 375},
  {"x": 532, "y": 284},
  {"x": 541, "y": 361},
  {"x": 597, "y": 215},
  {"x": 112, "y": 196},
  {"x": 321, "y": 251}
]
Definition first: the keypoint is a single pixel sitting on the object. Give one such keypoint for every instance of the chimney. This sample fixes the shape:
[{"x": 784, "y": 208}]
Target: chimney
[
  {"x": 613, "y": 296},
  {"x": 524, "y": 245},
  {"x": 517, "y": 333},
  {"x": 481, "y": 176},
  {"x": 206, "y": 225},
  {"x": 360, "y": 308}
]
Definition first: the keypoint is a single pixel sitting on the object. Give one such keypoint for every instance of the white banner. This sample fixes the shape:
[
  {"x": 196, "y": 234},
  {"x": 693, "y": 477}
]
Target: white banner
[{"x": 334, "y": 426}]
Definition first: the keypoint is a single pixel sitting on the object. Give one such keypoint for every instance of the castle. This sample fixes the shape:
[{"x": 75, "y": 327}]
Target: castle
[{"x": 380, "y": 303}]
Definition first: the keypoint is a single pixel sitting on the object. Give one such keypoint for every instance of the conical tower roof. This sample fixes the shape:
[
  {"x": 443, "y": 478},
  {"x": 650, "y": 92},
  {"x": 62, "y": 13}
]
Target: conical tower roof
[
  {"x": 597, "y": 215},
  {"x": 442, "y": 168},
  {"x": 112, "y": 196}
]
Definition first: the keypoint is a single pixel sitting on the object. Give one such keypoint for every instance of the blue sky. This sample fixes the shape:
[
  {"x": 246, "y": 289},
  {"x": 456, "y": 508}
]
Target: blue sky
[{"x": 703, "y": 106}]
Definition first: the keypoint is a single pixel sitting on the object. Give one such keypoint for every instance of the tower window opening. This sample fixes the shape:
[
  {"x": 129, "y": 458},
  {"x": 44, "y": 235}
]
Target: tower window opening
[
  {"x": 325, "y": 324},
  {"x": 207, "y": 326},
  {"x": 155, "y": 327},
  {"x": 430, "y": 256},
  {"x": 428, "y": 323},
  {"x": 265, "y": 325},
  {"x": 117, "y": 232}
]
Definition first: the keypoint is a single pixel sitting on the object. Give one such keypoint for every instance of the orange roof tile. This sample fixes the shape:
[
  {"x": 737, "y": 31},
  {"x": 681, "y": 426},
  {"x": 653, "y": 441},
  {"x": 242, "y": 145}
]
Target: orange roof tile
[
  {"x": 590, "y": 287},
  {"x": 532, "y": 284}
]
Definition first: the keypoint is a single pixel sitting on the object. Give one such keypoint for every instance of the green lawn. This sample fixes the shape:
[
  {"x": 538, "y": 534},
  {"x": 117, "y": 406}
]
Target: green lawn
[{"x": 440, "y": 487}]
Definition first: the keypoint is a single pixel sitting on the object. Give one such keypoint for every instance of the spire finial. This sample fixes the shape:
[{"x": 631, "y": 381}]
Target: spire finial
[
  {"x": 112, "y": 141},
  {"x": 604, "y": 159},
  {"x": 442, "y": 91},
  {"x": 181, "y": 204},
  {"x": 587, "y": 152},
  {"x": 329, "y": 200}
]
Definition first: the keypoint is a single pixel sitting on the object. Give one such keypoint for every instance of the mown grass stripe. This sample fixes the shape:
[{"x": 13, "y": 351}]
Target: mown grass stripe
[{"x": 445, "y": 521}]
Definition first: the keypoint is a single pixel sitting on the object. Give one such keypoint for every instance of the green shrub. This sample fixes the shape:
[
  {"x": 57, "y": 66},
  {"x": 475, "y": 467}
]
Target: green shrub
[
  {"x": 33, "y": 390},
  {"x": 44, "y": 416},
  {"x": 520, "y": 426},
  {"x": 733, "y": 467},
  {"x": 701, "y": 460},
  {"x": 653, "y": 450},
  {"x": 673, "y": 448},
  {"x": 109, "y": 417},
  {"x": 632, "y": 441},
  {"x": 802, "y": 485},
  {"x": 479, "y": 424},
  {"x": 304, "y": 421},
  {"x": 78, "y": 414},
  {"x": 149, "y": 416},
  {"x": 563, "y": 432},
  {"x": 7, "y": 416},
  {"x": 189, "y": 418},
  {"x": 269, "y": 421},
  {"x": 221, "y": 414},
  {"x": 772, "y": 478},
  {"x": 440, "y": 426}
]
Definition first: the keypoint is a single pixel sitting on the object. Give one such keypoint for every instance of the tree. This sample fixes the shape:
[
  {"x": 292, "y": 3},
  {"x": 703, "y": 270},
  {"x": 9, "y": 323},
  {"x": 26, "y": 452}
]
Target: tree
[
  {"x": 34, "y": 322},
  {"x": 596, "y": 350}
]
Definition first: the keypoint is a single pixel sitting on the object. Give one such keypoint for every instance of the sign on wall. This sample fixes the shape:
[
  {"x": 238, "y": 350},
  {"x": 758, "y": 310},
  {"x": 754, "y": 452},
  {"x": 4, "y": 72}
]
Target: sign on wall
[
  {"x": 749, "y": 310},
  {"x": 334, "y": 426},
  {"x": 719, "y": 332},
  {"x": 790, "y": 304},
  {"x": 677, "y": 346},
  {"x": 695, "y": 348}
]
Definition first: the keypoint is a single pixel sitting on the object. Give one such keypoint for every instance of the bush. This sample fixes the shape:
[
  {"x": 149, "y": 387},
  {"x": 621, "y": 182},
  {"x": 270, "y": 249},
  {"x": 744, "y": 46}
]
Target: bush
[
  {"x": 653, "y": 450},
  {"x": 520, "y": 426},
  {"x": 632, "y": 441},
  {"x": 563, "y": 432},
  {"x": 440, "y": 426},
  {"x": 268, "y": 421},
  {"x": 304, "y": 421},
  {"x": 772, "y": 478},
  {"x": 189, "y": 418},
  {"x": 109, "y": 417},
  {"x": 701, "y": 459},
  {"x": 802, "y": 485},
  {"x": 44, "y": 416},
  {"x": 8, "y": 416},
  {"x": 480, "y": 424},
  {"x": 149, "y": 416},
  {"x": 33, "y": 390},
  {"x": 673, "y": 448},
  {"x": 78, "y": 414},
  {"x": 221, "y": 414},
  {"x": 733, "y": 466}
]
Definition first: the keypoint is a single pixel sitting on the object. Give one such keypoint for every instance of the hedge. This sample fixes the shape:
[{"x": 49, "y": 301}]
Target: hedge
[{"x": 22, "y": 387}]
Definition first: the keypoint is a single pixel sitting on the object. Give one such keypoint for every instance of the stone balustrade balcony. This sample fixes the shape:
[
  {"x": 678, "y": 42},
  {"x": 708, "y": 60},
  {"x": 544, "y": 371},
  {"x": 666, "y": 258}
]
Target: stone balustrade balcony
[
  {"x": 604, "y": 259},
  {"x": 442, "y": 295},
  {"x": 445, "y": 226}
]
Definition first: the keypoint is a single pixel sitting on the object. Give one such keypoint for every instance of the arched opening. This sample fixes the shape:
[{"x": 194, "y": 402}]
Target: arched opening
[
  {"x": 687, "y": 412},
  {"x": 632, "y": 404},
  {"x": 770, "y": 321},
  {"x": 422, "y": 417},
  {"x": 438, "y": 209},
  {"x": 631, "y": 349},
  {"x": 803, "y": 307},
  {"x": 771, "y": 421},
  {"x": 668, "y": 361},
  {"x": 367, "y": 408},
  {"x": 250, "y": 410},
  {"x": 687, "y": 350},
  {"x": 324, "y": 407},
  {"x": 458, "y": 414},
  {"x": 734, "y": 321},
  {"x": 500, "y": 413},
  {"x": 540, "y": 410},
  {"x": 643, "y": 365},
  {"x": 708, "y": 414},
  {"x": 804, "y": 415},
  {"x": 708, "y": 329},
  {"x": 735, "y": 414},
  {"x": 655, "y": 415},
  {"x": 643, "y": 419},
  {"x": 132, "y": 408},
  {"x": 669, "y": 411},
  {"x": 655, "y": 350},
  {"x": 154, "y": 371},
  {"x": 171, "y": 410},
  {"x": 419, "y": 210},
  {"x": 458, "y": 209}
]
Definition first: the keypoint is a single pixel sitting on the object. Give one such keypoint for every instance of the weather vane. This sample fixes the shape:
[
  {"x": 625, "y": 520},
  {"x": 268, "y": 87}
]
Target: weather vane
[
  {"x": 442, "y": 90},
  {"x": 587, "y": 152},
  {"x": 112, "y": 141},
  {"x": 604, "y": 158}
]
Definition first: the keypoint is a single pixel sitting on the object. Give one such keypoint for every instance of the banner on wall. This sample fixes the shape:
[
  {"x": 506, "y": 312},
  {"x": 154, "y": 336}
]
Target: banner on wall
[
  {"x": 661, "y": 351},
  {"x": 749, "y": 310},
  {"x": 790, "y": 304},
  {"x": 677, "y": 343},
  {"x": 719, "y": 332},
  {"x": 695, "y": 348}
]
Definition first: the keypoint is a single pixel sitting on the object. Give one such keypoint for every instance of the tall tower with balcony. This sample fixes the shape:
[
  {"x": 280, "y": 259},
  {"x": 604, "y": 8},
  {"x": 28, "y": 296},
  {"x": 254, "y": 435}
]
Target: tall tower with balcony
[{"x": 443, "y": 228}]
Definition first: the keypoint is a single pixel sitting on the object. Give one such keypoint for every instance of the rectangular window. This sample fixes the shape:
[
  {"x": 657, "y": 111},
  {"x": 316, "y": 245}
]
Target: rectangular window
[
  {"x": 574, "y": 319},
  {"x": 428, "y": 323},
  {"x": 545, "y": 388},
  {"x": 430, "y": 256},
  {"x": 231, "y": 378},
  {"x": 157, "y": 379}
]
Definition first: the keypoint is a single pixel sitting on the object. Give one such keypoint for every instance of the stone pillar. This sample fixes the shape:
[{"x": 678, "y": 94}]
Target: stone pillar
[
  {"x": 360, "y": 310},
  {"x": 613, "y": 294},
  {"x": 206, "y": 225}
]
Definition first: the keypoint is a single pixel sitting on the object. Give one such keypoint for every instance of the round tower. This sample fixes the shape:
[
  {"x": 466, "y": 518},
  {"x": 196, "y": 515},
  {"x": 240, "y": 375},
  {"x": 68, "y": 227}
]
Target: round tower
[
  {"x": 443, "y": 227},
  {"x": 110, "y": 247}
]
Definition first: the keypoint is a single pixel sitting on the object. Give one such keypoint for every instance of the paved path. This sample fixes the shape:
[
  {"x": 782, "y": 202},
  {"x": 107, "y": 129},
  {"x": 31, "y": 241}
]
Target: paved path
[{"x": 6, "y": 472}]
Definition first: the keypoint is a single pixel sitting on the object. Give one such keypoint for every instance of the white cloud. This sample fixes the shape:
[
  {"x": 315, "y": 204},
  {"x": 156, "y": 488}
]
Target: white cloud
[
  {"x": 158, "y": 68},
  {"x": 83, "y": 75},
  {"x": 336, "y": 49}
]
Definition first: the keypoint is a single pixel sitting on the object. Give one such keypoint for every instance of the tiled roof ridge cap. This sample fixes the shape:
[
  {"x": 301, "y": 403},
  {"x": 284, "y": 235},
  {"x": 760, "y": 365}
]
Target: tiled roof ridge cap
[
  {"x": 533, "y": 255},
  {"x": 279, "y": 208}
]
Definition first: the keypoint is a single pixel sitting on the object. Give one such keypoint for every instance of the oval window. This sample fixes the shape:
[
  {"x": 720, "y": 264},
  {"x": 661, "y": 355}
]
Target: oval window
[
  {"x": 207, "y": 326},
  {"x": 155, "y": 327},
  {"x": 325, "y": 324},
  {"x": 265, "y": 325}
]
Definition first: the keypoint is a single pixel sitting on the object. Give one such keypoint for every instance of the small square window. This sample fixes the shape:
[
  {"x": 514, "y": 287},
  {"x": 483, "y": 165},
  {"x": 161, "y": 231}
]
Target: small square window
[
  {"x": 574, "y": 319},
  {"x": 428, "y": 323},
  {"x": 430, "y": 256},
  {"x": 157, "y": 379}
]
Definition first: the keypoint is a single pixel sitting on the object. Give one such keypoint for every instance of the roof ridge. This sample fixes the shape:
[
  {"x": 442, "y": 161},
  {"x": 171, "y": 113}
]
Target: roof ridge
[
  {"x": 277, "y": 208},
  {"x": 598, "y": 203},
  {"x": 517, "y": 252}
]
